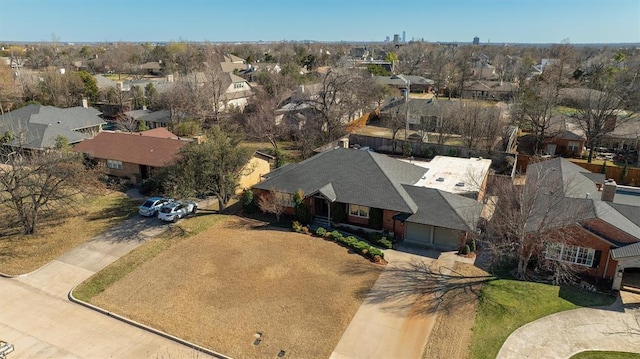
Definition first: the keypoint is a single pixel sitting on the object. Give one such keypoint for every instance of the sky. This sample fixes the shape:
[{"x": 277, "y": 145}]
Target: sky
[{"x": 494, "y": 21}]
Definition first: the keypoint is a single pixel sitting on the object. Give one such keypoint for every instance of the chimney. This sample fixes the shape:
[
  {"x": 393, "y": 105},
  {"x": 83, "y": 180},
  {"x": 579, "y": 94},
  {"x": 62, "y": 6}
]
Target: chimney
[
  {"x": 609, "y": 190},
  {"x": 85, "y": 103},
  {"x": 343, "y": 142},
  {"x": 610, "y": 123},
  {"x": 170, "y": 78}
]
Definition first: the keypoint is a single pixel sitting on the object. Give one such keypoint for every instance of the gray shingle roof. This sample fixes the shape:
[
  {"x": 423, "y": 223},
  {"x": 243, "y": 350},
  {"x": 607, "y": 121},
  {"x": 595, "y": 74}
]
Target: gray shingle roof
[
  {"x": 579, "y": 200},
  {"x": 37, "y": 126},
  {"x": 444, "y": 209},
  {"x": 357, "y": 177}
]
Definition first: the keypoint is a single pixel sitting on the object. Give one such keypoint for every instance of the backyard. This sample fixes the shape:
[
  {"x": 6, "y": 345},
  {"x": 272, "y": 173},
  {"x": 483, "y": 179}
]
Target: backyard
[{"x": 242, "y": 281}]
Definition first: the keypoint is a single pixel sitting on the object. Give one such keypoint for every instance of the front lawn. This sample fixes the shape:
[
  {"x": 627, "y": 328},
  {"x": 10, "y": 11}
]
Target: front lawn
[
  {"x": 506, "y": 305},
  {"x": 605, "y": 355},
  {"x": 222, "y": 287},
  {"x": 24, "y": 253}
]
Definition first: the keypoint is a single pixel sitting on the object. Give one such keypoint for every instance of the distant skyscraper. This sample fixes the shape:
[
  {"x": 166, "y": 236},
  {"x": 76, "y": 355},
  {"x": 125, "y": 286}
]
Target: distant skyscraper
[
  {"x": 476, "y": 40},
  {"x": 387, "y": 39},
  {"x": 404, "y": 36},
  {"x": 396, "y": 38}
]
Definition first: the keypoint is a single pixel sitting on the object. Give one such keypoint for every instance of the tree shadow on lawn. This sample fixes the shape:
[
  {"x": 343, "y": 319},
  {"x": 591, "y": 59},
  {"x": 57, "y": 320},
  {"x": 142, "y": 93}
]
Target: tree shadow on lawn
[
  {"x": 122, "y": 207},
  {"x": 420, "y": 288},
  {"x": 584, "y": 298}
]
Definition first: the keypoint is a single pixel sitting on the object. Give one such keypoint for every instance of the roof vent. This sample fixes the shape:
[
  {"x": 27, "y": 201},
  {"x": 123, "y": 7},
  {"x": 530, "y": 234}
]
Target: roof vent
[
  {"x": 440, "y": 179},
  {"x": 460, "y": 184}
]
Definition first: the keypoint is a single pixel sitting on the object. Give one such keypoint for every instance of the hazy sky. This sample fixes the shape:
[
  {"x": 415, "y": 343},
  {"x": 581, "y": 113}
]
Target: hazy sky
[{"x": 525, "y": 21}]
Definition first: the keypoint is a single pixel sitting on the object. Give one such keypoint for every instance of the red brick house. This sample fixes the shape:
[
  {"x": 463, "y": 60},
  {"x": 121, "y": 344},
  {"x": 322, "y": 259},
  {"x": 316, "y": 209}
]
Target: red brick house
[
  {"x": 368, "y": 187},
  {"x": 132, "y": 155},
  {"x": 593, "y": 222}
]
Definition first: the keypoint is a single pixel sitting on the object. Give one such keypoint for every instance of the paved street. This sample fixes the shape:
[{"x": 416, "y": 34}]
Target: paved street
[{"x": 39, "y": 320}]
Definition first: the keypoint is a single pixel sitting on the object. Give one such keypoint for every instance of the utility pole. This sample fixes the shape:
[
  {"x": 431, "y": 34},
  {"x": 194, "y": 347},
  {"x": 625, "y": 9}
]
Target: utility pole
[{"x": 406, "y": 104}]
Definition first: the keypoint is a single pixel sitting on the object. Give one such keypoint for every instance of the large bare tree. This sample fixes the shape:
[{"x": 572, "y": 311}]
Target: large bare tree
[
  {"x": 35, "y": 183},
  {"x": 530, "y": 220}
]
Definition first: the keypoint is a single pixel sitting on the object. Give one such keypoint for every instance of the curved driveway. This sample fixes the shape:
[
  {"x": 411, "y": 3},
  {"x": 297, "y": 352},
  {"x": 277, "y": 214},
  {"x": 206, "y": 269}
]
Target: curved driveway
[
  {"x": 561, "y": 335},
  {"x": 39, "y": 320}
]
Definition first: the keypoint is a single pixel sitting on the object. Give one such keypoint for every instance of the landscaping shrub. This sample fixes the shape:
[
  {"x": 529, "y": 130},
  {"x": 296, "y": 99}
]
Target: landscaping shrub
[
  {"x": 351, "y": 241},
  {"x": 375, "y": 218},
  {"x": 360, "y": 245},
  {"x": 406, "y": 149},
  {"x": 466, "y": 250},
  {"x": 338, "y": 212},
  {"x": 335, "y": 235},
  {"x": 301, "y": 212},
  {"x": 375, "y": 252},
  {"x": 378, "y": 239},
  {"x": 297, "y": 227},
  {"x": 321, "y": 232},
  {"x": 249, "y": 204}
]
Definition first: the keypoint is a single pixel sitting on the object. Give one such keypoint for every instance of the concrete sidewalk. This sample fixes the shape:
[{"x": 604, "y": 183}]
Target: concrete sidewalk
[
  {"x": 396, "y": 318},
  {"x": 561, "y": 335},
  {"x": 39, "y": 320}
]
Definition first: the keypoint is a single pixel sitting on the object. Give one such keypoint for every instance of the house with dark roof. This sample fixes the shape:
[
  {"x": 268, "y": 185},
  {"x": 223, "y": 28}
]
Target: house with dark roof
[
  {"x": 594, "y": 222},
  {"x": 36, "y": 127},
  {"x": 153, "y": 119},
  {"x": 490, "y": 90},
  {"x": 131, "y": 155},
  {"x": 401, "y": 82},
  {"x": 372, "y": 190}
]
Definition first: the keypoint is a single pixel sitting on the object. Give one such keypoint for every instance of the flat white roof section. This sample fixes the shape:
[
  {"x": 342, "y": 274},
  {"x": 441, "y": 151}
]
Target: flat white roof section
[{"x": 453, "y": 174}]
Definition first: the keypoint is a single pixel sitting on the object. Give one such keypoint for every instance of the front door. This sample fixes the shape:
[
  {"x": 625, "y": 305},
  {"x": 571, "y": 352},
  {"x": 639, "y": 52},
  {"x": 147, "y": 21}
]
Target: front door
[{"x": 320, "y": 207}]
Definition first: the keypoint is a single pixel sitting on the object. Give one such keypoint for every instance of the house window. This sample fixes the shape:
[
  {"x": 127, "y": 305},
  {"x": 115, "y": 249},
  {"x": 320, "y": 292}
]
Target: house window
[
  {"x": 113, "y": 164},
  {"x": 572, "y": 254},
  {"x": 573, "y": 146},
  {"x": 359, "y": 211}
]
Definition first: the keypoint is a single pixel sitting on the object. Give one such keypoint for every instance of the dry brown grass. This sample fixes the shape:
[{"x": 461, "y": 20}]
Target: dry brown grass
[
  {"x": 451, "y": 334},
  {"x": 24, "y": 253},
  {"x": 220, "y": 287}
]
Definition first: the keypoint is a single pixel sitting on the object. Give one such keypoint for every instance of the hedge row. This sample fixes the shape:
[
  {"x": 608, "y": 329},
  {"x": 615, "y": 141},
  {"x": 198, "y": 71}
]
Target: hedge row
[
  {"x": 352, "y": 242},
  {"x": 376, "y": 238}
]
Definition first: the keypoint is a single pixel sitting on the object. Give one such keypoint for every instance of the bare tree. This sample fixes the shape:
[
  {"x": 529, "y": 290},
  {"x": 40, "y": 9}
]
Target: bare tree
[
  {"x": 534, "y": 109},
  {"x": 261, "y": 120},
  {"x": 530, "y": 220},
  {"x": 274, "y": 202},
  {"x": 477, "y": 123},
  {"x": 36, "y": 183},
  {"x": 395, "y": 120}
]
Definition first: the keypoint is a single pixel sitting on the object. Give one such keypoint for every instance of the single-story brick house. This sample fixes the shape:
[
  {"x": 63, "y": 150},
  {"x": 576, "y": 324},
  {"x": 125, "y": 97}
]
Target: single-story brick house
[
  {"x": 598, "y": 221},
  {"x": 132, "y": 155},
  {"x": 363, "y": 185}
]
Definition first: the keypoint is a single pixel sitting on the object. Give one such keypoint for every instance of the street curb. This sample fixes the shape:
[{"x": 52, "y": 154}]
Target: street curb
[{"x": 144, "y": 327}]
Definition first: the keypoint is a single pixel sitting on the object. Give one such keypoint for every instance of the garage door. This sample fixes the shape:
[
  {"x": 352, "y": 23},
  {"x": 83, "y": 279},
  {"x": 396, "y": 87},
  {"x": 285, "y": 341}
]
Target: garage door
[
  {"x": 417, "y": 233},
  {"x": 446, "y": 238}
]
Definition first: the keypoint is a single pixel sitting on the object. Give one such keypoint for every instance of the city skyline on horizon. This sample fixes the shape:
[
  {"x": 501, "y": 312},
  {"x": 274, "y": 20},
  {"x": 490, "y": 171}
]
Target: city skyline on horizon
[{"x": 495, "y": 21}]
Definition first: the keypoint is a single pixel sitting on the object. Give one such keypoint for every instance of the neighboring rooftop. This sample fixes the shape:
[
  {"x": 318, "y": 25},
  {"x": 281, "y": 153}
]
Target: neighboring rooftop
[{"x": 453, "y": 174}]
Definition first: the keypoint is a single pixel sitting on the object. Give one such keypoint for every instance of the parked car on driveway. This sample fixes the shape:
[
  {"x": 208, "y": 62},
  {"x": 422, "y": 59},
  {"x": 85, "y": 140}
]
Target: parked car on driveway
[
  {"x": 173, "y": 211},
  {"x": 152, "y": 206}
]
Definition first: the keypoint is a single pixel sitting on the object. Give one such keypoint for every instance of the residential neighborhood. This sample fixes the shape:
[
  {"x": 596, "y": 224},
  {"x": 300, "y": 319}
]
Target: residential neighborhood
[{"x": 245, "y": 196}]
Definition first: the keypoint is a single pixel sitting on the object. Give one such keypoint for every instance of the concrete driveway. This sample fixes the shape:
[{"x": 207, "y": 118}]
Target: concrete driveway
[
  {"x": 37, "y": 317},
  {"x": 561, "y": 335},
  {"x": 397, "y": 316}
]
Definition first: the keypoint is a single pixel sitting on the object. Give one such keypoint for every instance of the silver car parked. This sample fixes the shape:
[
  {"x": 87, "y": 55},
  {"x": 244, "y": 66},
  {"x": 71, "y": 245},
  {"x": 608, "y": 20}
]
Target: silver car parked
[
  {"x": 173, "y": 211},
  {"x": 151, "y": 206}
]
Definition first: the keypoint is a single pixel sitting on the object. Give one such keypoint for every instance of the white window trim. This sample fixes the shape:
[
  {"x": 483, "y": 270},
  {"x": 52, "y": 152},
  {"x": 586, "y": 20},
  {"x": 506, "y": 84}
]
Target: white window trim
[
  {"x": 114, "y": 164},
  {"x": 359, "y": 210},
  {"x": 573, "y": 145},
  {"x": 590, "y": 254}
]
